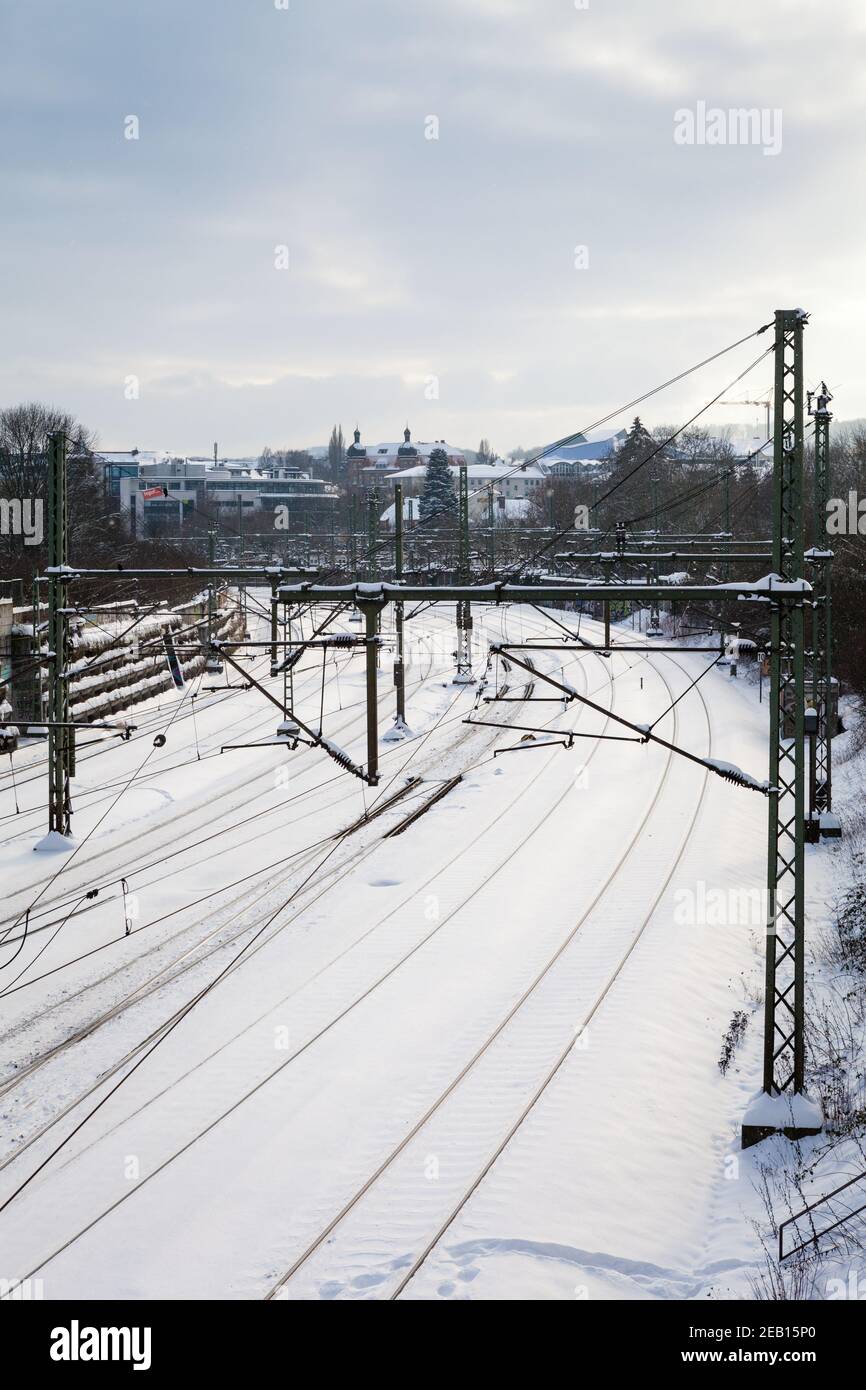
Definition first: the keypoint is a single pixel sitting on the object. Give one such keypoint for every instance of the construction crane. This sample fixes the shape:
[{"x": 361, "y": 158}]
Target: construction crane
[{"x": 767, "y": 405}]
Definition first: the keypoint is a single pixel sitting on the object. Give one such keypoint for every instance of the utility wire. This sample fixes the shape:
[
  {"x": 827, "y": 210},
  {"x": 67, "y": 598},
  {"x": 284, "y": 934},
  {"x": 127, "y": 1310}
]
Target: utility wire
[
  {"x": 603, "y": 420},
  {"x": 653, "y": 453}
]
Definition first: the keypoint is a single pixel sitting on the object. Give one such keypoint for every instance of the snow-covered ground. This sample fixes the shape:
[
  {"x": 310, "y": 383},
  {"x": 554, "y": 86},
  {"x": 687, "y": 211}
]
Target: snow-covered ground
[{"x": 475, "y": 1059}]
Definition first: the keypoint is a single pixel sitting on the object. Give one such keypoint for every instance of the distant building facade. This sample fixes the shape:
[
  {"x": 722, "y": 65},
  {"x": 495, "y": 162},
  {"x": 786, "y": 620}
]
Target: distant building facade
[
  {"x": 164, "y": 492},
  {"x": 368, "y": 465},
  {"x": 507, "y": 488},
  {"x": 586, "y": 456}
]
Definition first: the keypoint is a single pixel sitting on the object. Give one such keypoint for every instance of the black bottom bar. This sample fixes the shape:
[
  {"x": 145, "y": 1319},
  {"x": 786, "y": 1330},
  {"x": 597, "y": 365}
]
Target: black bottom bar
[{"x": 652, "y": 1336}]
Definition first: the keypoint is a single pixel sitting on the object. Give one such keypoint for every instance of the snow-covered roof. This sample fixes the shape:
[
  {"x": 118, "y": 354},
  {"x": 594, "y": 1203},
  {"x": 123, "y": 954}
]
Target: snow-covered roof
[
  {"x": 479, "y": 472},
  {"x": 593, "y": 451},
  {"x": 376, "y": 452},
  {"x": 411, "y": 511},
  {"x": 514, "y": 508},
  {"x": 139, "y": 456}
]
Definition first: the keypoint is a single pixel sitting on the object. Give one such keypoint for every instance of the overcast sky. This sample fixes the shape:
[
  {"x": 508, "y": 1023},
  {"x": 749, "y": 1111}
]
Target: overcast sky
[{"x": 155, "y": 260}]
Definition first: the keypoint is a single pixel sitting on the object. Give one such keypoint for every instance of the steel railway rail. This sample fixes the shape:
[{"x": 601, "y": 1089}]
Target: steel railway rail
[
  {"x": 174, "y": 969},
  {"x": 408, "y": 1275},
  {"x": 367, "y": 992},
  {"x": 64, "y": 902},
  {"x": 277, "y": 1288},
  {"x": 94, "y": 796},
  {"x": 304, "y": 762},
  {"x": 300, "y": 859},
  {"x": 473, "y": 1061},
  {"x": 339, "y": 875}
]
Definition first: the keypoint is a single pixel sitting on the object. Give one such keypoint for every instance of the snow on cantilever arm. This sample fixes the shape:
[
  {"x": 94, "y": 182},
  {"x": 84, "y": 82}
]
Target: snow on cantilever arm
[
  {"x": 736, "y": 774},
  {"x": 770, "y": 584}
]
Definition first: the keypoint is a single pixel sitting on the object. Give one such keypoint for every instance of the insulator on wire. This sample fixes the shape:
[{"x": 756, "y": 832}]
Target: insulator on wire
[{"x": 127, "y": 920}]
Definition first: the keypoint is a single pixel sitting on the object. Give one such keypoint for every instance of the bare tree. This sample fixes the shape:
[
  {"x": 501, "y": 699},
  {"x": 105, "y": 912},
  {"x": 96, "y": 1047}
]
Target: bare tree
[{"x": 25, "y": 431}]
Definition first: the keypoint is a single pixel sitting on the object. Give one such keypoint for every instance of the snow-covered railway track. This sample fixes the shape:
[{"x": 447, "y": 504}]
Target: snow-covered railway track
[
  {"x": 399, "y": 1194},
  {"x": 225, "y": 934},
  {"x": 154, "y": 720},
  {"x": 64, "y": 903},
  {"x": 147, "y": 721},
  {"x": 215, "y": 941},
  {"x": 202, "y": 808},
  {"x": 199, "y": 954},
  {"x": 89, "y": 1197},
  {"x": 579, "y": 1032},
  {"x": 192, "y": 958},
  {"x": 151, "y": 722},
  {"x": 331, "y": 1023}
]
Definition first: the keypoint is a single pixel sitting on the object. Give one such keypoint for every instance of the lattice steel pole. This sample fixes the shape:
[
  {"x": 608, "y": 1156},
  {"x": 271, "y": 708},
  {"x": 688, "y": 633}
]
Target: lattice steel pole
[
  {"x": 727, "y": 567},
  {"x": 822, "y": 623},
  {"x": 372, "y": 535},
  {"x": 242, "y": 588},
  {"x": 213, "y": 663},
  {"x": 372, "y": 611},
  {"x": 463, "y": 674},
  {"x": 654, "y": 629},
  {"x": 61, "y": 738},
  {"x": 353, "y": 537},
  {"x": 275, "y": 589},
  {"x": 783, "y": 1105},
  {"x": 399, "y": 661}
]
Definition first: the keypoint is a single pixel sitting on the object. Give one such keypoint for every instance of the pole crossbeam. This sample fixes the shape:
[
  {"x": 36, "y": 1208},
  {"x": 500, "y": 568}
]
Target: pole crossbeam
[
  {"x": 768, "y": 590},
  {"x": 647, "y": 556}
]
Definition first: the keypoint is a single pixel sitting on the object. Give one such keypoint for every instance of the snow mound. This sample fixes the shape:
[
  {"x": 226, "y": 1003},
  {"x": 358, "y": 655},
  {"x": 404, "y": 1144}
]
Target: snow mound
[{"x": 55, "y": 843}]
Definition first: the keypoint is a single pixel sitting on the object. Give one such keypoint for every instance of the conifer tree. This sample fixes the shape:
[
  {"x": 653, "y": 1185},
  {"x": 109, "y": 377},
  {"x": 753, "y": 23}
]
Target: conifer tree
[{"x": 438, "y": 500}]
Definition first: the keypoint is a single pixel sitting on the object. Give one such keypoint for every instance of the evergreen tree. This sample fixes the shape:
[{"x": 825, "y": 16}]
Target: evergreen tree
[
  {"x": 637, "y": 444},
  {"x": 438, "y": 500},
  {"x": 633, "y": 491}
]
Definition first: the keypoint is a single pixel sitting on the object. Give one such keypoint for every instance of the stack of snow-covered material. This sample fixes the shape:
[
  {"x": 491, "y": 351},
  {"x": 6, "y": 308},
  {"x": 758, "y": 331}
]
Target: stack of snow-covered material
[
  {"x": 676, "y": 577},
  {"x": 121, "y": 662},
  {"x": 9, "y": 733}
]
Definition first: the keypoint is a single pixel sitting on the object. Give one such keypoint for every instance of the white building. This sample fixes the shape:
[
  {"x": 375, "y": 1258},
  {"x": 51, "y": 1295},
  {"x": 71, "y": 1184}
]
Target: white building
[
  {"x": 368, "y": 465},
  {"x": 172, "y": 490},
  {"x": 511, "y": 488}
]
